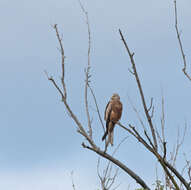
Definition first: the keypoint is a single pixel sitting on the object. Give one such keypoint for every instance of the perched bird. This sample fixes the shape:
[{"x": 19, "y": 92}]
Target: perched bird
[{"x": 113, "y": 113}]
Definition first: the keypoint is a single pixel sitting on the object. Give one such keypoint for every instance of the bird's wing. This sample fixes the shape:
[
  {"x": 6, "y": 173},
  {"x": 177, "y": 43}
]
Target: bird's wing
[
  {"x": 107, "y": 110},
  {"x": 107, "y": 114}
]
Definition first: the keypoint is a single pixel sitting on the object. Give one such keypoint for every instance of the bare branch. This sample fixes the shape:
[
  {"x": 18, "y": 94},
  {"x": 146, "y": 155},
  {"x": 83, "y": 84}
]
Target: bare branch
[
  {"x": 137, "y": 113},
  {"x": 63, "y": 59},
  {"x": 120, "y": 164},
  {"x": 164, "y": 163},
  {"x": 178, "y": 175},
  {"x": 153, "y": 148},
  {"x": 169, "y": 175},
  {"x": 188, "y": 167},
  {"x": 63, "y": 95},
  {"x": 159, "y": 140},
  {"x": 179, "y": 143},
  {"x": 150, "y": 143},
  {"x": 152, "y": 112},
  {"x": 98, "y": 163},
  {"x": 82, "y": 131},
  {"x": 163, "y": 120},
  {"x": 97, "y": 108},
  {"x": 107, "y": 179},
  {"x": 180, "y": 43},
  {"x": 55, "y": 85},
  {"x": 131, "y": 132},
  {"x": 151, "y": 104},
  {"x": 140, "y": 90},
  {"x": 122, "y": 141},
  {"x": 148, "y": 138},
  {"x": 87, "y": 70}
]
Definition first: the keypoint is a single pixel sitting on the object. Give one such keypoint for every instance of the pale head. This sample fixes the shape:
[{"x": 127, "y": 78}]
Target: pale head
[{"x": 115, "y": 96}]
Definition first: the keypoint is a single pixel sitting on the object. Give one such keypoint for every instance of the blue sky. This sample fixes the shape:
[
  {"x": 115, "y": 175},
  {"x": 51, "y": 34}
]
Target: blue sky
[{"x": 39, "y": 146}]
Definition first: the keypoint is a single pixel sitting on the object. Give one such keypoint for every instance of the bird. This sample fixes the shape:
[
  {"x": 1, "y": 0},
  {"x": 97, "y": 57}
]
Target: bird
[{"x": 113, "y": 112}]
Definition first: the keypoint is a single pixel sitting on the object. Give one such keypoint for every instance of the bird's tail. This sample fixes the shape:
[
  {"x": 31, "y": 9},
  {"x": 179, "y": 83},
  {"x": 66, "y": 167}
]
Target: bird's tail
[{"x": 104, "y": 136}]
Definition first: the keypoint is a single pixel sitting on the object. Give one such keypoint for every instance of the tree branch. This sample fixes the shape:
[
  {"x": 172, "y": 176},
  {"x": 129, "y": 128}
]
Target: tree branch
[
  {"x": 140, "y": 90},
  {"x": 97, "y": 108},
  {"x": 162, "y": 161},
  {"x": 180, "y": 43},
  {"x": 63, "y": 60},
  {"x": 87, "y": 70},
  {"x": 120, "y": 164}
]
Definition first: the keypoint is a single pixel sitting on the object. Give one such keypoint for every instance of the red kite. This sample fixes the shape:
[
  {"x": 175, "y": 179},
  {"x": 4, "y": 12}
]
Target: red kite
[{"x": 113, "y": 113}]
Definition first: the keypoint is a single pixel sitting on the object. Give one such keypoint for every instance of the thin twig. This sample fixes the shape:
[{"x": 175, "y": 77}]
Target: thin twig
[
  {"x": 63, "y": 60},
  {"x": 87, "y": 70},
  {"x": 159, "y": 140},
  {"x": 137, "y": 113},
  {"x": 56, "y": 86},
  {"x": 63, "y": 96},
  {"x": 131, "y": 132},
  {"x": 151, "y": 105},
  {"x": 106, "y": 179},
  {"x": 163, "y": 121},
  {"x": 116, "y": 149},
  {"x": 179, "y": 143},
  {"x": 97, "y": 108},
  {"x": 180, "y": 43}
]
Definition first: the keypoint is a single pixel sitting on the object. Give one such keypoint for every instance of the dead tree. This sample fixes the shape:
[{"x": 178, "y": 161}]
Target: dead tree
[{"x": 151, "y": 143}]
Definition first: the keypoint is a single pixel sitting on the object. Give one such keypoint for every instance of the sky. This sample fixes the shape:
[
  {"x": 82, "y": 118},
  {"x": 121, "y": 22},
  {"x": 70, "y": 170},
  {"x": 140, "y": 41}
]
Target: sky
[{"x": 39, "y": 145}]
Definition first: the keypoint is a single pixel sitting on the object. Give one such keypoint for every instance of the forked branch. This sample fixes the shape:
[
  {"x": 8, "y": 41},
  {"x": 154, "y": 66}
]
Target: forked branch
[
  {"x": 63, "y": 59},
  {"x": 106, "y": 177}
]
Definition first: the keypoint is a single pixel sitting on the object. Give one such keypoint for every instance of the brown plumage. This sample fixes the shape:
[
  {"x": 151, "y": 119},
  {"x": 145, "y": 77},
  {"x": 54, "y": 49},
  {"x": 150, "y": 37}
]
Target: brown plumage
[{"x": 113, "y": 113}]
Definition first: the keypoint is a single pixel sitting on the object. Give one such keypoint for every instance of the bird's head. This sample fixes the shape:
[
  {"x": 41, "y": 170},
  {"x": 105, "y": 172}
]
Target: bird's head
[{"x": 115, "y": 96}]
